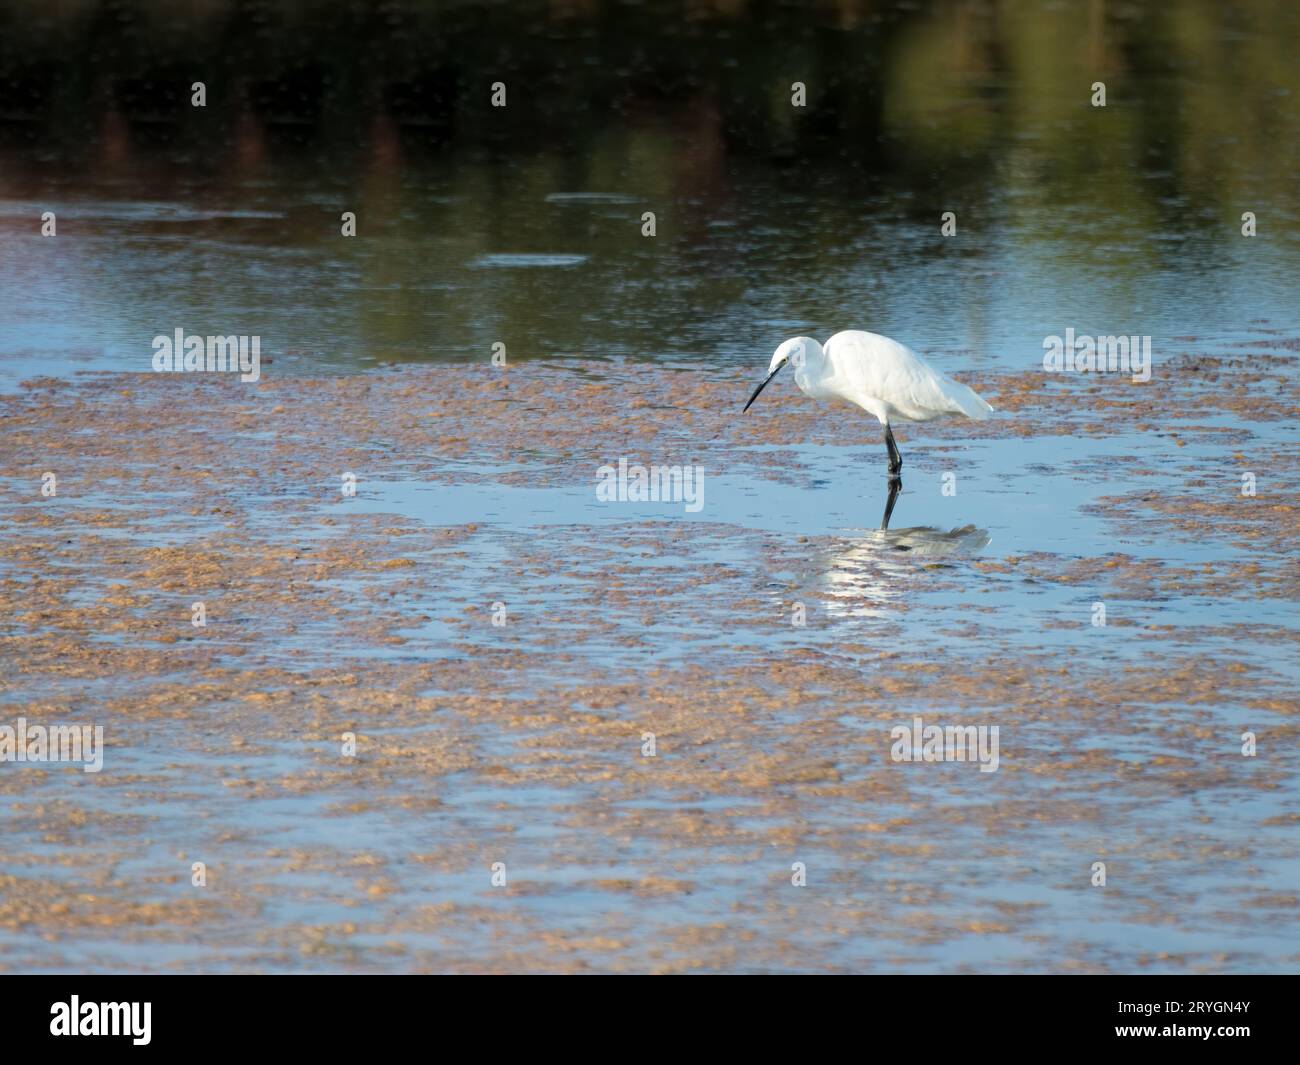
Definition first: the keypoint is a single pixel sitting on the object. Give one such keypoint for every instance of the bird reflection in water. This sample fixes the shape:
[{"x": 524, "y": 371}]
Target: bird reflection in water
[{"x": 864, "y": 574}]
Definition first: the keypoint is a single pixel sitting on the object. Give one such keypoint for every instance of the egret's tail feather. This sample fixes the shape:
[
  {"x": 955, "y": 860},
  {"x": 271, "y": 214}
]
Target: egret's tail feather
[{"x": 968, "y": 402}]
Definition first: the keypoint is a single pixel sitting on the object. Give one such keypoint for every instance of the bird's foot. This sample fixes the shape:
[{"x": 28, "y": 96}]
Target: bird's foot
[{"x": 895, "y": 486}]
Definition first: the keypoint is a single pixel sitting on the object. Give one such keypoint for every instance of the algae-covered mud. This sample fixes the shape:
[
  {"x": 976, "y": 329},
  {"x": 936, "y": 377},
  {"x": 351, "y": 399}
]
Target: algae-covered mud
[
  {"x": 479, "y": 631},
  {"x": 624, "y": 624}
]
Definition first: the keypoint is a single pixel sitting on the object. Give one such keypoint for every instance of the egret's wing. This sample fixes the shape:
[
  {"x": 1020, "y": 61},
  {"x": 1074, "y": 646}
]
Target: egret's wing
[{"x": 892, "y": 372}]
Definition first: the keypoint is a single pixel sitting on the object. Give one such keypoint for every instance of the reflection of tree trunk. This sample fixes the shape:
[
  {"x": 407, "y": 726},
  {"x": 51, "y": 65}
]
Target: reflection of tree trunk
[
  {"x": 1097, "y": 35},
  {"x": 114, "y": 140},
  {"x": 706, "y": 9},
  {"x": 561, "y": 10},
  {"x": 968, "y": 53},
  {"x": 250, "y": 134},
  {"x": 113, "y": 131},
  {"x": 701, "y": 168},
  {"x": 382, "y": 178},
  {"x": 850, "y": 12}
]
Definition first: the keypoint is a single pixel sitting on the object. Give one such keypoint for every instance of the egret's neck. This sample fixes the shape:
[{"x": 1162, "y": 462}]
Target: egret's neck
[{"x": 808, "y": 368}]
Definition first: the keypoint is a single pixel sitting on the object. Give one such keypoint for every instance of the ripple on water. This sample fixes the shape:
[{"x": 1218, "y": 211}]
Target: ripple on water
[
  {"x": 526, "y": 261},
  {"x": 589, "y": 197}
]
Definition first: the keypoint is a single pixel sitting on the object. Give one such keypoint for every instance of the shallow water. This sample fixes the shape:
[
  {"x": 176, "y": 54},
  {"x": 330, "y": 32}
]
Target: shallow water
[{"x": 521, "y": 742}]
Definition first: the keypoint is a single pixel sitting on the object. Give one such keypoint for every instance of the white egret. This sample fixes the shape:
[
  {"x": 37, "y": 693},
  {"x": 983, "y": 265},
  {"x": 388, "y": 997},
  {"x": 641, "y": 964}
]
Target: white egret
[{"x": 882, "y": 376}]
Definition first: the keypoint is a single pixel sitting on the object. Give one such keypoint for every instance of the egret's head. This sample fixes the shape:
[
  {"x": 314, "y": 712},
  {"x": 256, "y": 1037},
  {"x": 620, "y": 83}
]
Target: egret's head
[
  {"x": 790, "y": 351},
  {"x": 794, "y": 350}
]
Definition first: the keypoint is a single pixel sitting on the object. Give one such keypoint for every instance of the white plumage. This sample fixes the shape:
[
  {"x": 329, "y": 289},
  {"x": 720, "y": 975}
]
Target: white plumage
[{"x": 882, "y": 376}]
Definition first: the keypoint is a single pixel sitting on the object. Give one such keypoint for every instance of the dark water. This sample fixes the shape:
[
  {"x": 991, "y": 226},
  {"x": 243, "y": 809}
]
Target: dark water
[
  {"x": 522, "y": 225},
  {"x": 479, "y": 225}
]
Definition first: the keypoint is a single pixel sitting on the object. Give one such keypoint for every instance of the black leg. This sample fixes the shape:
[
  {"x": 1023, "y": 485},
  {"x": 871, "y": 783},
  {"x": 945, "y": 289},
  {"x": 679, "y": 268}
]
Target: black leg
[
  {"x": 895, "y": 459},
  {"x": 895, "y": 486}
]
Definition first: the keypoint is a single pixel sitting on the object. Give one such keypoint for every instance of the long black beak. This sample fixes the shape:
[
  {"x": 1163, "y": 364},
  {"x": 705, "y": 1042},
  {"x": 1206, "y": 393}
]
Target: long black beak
[{"x": 761, "y": 387}]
